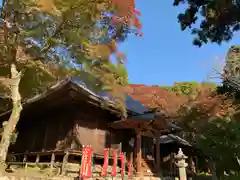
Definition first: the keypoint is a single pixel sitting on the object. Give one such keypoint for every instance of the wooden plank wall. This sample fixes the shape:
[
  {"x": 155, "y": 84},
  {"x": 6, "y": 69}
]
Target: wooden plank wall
[{"x": 68, "y": 127}]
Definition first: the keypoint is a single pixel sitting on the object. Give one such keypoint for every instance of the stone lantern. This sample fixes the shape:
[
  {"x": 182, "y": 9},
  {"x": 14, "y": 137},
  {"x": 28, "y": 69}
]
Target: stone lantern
[{"x": 181, "y": 164}]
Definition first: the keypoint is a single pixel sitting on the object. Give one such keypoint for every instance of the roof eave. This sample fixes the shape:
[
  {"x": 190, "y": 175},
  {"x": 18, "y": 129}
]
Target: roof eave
[{"x": 76, "y": 87}]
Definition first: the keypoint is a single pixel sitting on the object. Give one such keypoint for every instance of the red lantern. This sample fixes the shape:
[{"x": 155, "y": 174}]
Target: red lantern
[
  {"x": 88, "y": 172},
  {"x": 114, "y": 168},
  {"x": 105, "y": 164},
  {"x": 122, "y": 158},
  {"x": 86, "y": 164},
  {"x": 83, "y": 162}
]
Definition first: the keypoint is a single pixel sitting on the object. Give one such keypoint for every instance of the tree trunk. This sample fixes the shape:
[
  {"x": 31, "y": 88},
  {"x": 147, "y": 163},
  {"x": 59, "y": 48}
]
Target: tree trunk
[{"x": 9, "y": 128}]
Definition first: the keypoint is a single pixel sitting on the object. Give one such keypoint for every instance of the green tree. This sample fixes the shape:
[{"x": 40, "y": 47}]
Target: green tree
[
  {"x": 211, "y": 124},
  {"x": 210, "y": 21},
  {"x": 211, "y": 120},
  {"x": 43, "y": 42},
  {"x": 231, "y": 75},
  {"x": 190, "y": 89}
]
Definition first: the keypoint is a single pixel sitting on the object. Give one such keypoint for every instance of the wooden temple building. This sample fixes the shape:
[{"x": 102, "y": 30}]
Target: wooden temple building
[{"x": 70, "y": 115}]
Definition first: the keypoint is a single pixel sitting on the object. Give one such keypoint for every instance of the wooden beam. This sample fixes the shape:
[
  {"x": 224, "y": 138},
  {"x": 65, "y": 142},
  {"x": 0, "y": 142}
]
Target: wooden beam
[{"x": 157, "y": 153}]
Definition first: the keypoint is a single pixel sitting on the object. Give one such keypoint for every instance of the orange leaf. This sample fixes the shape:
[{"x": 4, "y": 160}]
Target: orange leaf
[{"x": 137, "y": 23}]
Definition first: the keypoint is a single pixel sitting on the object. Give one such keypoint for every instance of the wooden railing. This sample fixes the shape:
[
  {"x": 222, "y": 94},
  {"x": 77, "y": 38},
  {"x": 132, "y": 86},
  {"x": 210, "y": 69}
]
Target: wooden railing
[{"x": 33, "y": 159}]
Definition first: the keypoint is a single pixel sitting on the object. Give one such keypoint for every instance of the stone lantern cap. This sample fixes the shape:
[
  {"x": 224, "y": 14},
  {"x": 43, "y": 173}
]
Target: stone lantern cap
[{"x": 180, "y": 155}]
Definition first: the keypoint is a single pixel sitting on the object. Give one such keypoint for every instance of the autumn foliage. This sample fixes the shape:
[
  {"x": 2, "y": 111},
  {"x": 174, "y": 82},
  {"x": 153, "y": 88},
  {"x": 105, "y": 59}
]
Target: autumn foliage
[
  {"x": 128, "y": 14},
  {"x": 206, "y": 102},
  {"x": 157, "y": 98},
  {"x": 205, "y": 108}
]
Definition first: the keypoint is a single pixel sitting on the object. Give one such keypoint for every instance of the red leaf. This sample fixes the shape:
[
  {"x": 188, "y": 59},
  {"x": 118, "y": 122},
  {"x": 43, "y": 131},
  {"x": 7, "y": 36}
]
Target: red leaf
[
  {"x": 114, "y": 19},
  {"x": 137, "y": 12}
]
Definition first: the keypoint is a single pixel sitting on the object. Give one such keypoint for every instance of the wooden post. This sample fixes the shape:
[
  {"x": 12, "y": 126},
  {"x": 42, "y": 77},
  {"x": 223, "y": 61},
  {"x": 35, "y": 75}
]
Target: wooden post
[
  {"x": 197, "y": 167},
  {"x": 214, "y": 174},
  {"x": 139, "y": 154},
  {"x": 110, "y": 140},
  {"x": 192, "y": 164},
  {"x": 157, "y": 153},
  {"x": 153, "y": 148},
  {"x": 64, "y": 163},
  {"x": 52, "y": 162},
  {"x": 171, "y": 164},
  {"x": 25, "y": 161},
  {"x": 37, "y": 159}
]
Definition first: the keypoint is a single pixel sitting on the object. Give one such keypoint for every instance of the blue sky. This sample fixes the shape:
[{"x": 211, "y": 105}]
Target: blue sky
[{"x": 165, "y": 54}]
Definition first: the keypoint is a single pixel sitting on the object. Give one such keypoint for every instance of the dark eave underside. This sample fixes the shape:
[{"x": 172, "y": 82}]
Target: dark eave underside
[{"x": 149, "y": 125}]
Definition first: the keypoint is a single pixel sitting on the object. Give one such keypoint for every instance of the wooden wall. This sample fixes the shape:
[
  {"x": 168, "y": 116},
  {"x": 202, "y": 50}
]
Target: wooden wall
[{"x": 68, "y": 126}]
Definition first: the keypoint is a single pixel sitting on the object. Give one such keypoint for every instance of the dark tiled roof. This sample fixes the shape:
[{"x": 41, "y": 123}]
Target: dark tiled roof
[
  {"x": 170, "y": 138},
  {"x": 132, "y": 106}
]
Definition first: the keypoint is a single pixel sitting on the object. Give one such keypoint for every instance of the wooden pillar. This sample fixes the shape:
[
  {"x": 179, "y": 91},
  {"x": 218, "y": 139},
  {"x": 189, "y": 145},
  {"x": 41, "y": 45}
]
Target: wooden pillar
[
  {"x": 172, "y": 164},
  {"x": 192, "y": 164},
  {"x": 64, "y": 163},
  {"x": 139, "y": 154},
  {"x": 52, "y": 161},
  {"x": 110, "y": 140},
  {"x": 37, "y": 159},
  {"x": 25, "y": 162},
  {"x": 157, "y": 153},
  {"x": 197, "y": 165},
  {"x": 153, "y": 149}
]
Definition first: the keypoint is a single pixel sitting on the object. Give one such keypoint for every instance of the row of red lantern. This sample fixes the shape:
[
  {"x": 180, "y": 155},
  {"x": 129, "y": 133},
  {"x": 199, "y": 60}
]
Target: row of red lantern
[
  {"x": 114, "y": 167},
  {"x": 86, "y": 164}
]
